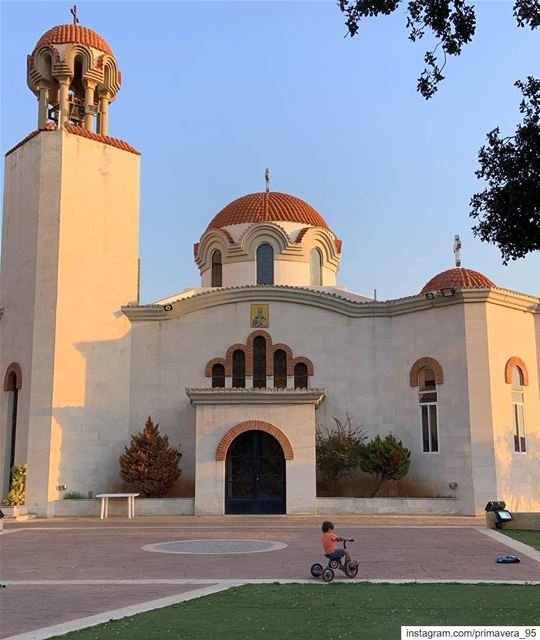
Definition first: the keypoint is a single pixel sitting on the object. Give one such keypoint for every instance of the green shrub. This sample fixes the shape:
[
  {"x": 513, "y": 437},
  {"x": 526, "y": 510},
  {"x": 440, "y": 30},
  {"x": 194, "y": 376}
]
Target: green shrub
[
  {"x": 149, "y": 463},
  {"x": 385, "y": 459},
  {"x": 16, "y": 495},
  {"x": 74, "y": 495},
  {"x": 339, "y": 451}
]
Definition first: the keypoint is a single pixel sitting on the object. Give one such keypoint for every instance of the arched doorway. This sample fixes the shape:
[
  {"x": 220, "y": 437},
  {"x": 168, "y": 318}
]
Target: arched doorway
[{"x": 255, "y": 474}]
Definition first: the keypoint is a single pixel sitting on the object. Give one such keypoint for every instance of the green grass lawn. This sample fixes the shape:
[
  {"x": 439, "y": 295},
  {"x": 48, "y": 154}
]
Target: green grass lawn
[
  {"x": 329, "y": 612},
  {"x": 532, "y": 538}
]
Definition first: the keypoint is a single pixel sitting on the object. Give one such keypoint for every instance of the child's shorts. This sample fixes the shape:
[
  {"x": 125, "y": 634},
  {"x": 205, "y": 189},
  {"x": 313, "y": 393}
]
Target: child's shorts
[{"x": 337, "y": 555}]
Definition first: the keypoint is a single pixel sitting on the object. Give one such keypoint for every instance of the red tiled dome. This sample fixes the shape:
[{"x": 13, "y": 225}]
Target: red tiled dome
[
  {"x": 458, "y": 277},
  {"x": 68, "y": 33},
  {"x": 269, "y": 206}
]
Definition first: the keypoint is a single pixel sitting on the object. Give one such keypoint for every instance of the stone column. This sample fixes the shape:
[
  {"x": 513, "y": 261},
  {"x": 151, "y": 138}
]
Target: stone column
[
  {"x": 43, "y": 108},
  {"x": 104, "y": 114},
  {"x": 63, "y": 101},
  {"x": 89, "y": 89}
]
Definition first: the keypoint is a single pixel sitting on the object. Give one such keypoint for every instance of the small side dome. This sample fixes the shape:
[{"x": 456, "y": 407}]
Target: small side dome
[{"x": 457, "y": 278}]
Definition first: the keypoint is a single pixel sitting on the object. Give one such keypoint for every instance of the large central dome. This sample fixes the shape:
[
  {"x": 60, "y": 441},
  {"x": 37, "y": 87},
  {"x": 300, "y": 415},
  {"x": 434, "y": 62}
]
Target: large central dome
[{"x": 268, "y": 206}]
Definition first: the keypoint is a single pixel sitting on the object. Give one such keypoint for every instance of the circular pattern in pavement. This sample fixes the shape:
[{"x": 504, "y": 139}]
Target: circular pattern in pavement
[{"x": 219, "y": 546}]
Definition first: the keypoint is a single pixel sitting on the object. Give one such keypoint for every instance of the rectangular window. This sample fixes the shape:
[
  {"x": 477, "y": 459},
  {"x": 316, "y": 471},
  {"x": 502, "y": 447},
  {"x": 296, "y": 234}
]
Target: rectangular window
[
  {"x": 520, "y": 445},
  {"x": 430, "y": 434}
]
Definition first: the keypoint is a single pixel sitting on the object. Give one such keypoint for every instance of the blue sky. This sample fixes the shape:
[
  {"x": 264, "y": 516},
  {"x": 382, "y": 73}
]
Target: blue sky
[{"x": 215, "y": 92}]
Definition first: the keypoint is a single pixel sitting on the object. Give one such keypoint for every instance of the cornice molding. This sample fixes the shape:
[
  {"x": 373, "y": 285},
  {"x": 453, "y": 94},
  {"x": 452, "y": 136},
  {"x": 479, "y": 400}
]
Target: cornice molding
[
  {"x": 207, "y": 395},
  {"x": 331, "y": 301}
]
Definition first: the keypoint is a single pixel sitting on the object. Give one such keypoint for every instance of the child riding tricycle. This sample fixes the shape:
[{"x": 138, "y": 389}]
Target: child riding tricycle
[{"x": 337, "y": 558}]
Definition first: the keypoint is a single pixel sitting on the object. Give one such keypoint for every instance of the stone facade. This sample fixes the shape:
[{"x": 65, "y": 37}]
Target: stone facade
[{"x": 85, "y": 364}]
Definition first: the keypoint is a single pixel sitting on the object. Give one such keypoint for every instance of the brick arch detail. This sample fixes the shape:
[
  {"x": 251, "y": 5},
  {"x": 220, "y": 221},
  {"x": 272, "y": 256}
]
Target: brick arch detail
[
  {"x": 229, "y": 357},
  {"x": 425, "y": 362},
  {"x": 208, "y": 370},
  {"x": 289, "y": 354},
  {"x": 15, "y": 368},
  {"x": 515, "y": 361},
  {"x": 248, "y": 350},
  {"x": 269, "y": 352},
  {"x": 303, "y": 360},
  {"x": 253, "y": 425}
]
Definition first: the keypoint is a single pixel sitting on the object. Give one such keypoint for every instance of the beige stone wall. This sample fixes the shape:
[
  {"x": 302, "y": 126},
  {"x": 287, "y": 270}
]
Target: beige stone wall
[
  {"x": 364, "y": 364},
  {"x": 81, "y": 202},
  {"x": 213, "y": 422},
  {"x": 28, "y": 292},
  {"x": 512, "y": 333}
]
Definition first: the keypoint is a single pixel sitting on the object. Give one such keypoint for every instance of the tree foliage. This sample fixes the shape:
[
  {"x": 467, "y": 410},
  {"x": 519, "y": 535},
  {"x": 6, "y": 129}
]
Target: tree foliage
[
  {"x": 17, "y": 491},
  {"x": 385, "y": 459},
  {"x": 508, "y": 210},
  {"x": 511, "y": 202},
  {"x": 451, "y": 22},
  {"x": 149, "y": 463},
  {"x": 339, "y": 451}
]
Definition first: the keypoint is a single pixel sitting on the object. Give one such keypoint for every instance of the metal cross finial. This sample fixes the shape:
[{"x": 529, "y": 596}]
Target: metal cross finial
[
  {"x": 267, "y": 178},
  {"x": 457, "y": 250},
  {"x": 74, "y": 14}
]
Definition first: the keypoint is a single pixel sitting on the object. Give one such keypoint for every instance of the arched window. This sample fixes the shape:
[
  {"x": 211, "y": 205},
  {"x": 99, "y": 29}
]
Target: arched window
[
  {"x": 11, "y": 428},
  {"x": 217, "y": 269},
  {"x": 300, "y": 376},
  {"x": 518, "y": 406},
  {"x": 259, "y": 363},
  {"x": 280, "y": 369},
  {"x": 427, "y": 398},
  {"x": 315, "y": 270},
  {"x": 265, "y": 264},
  {"x": 218, "y": 376},
  {"x": 238, "y": 369}
]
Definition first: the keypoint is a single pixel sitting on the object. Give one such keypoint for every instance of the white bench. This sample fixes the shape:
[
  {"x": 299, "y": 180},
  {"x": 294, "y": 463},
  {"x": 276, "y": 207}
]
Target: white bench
[{"x": 105, "y": 502}]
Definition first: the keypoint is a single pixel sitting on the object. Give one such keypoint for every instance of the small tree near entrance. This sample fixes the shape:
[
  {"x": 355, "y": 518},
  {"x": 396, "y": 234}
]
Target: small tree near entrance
[
  {"x": 339, "y": 451},
  {"x": 149, "y": 463},
  {"x": 385, "y": 459}
]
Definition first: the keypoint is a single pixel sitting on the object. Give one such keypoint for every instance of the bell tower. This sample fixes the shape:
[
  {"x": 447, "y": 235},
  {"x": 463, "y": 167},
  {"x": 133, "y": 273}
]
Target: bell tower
[
  {"x": 69, "y": 263},
  {"x": 74, "y": 74}
]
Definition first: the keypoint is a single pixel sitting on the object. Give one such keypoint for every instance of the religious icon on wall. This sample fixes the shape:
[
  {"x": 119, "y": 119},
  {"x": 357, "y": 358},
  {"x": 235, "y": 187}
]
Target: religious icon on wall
[{"x": 260, "y": 316}]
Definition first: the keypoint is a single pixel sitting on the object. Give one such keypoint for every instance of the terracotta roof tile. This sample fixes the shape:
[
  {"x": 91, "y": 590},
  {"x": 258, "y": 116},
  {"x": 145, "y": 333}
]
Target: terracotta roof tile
[
  {"x": 270, "y": 206},
  {"x": 73, "y": 33},
  {"x": 457, "y": 278},
  {"x": 84, "y": 133},
  {"x": 113, "y": 142},
  {"x": 50, "y": 126}
]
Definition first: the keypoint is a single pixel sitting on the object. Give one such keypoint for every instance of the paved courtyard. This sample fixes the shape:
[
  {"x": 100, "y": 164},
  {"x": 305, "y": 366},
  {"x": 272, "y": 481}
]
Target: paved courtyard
[{"x": 64, "y": 570}]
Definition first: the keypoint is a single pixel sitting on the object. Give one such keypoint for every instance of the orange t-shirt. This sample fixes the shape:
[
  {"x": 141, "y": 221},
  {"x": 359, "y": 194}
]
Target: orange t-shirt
[{"x": 329, "y": 542}]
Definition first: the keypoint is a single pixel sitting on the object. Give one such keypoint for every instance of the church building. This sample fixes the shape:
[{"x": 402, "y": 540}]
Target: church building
[{"x": 242, "y": 368}]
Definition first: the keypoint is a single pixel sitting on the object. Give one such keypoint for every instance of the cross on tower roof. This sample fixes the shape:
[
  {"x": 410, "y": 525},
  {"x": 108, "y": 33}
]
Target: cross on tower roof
[{"x": 73, "y": 11}]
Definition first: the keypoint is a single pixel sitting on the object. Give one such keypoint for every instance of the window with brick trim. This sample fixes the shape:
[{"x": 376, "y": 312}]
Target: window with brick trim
[
  {"x": 300, "y": 376},
  {"x": 427, "y": 398},
  {"x": 259, "y": 363},
  {"x": 217, "y": 269},
  {"x": 239, "y": 369},
  {"x": 265, "y": 264},
  {"x": 280, "y": 369},
  {"x": 218, "y": 376},
  {"x": 518, "y": 409}
]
